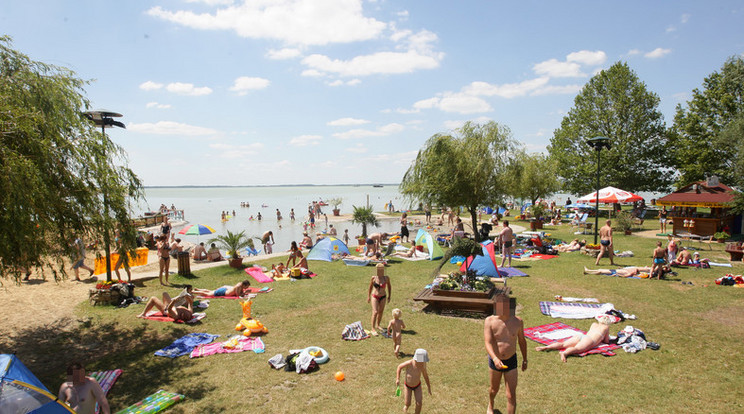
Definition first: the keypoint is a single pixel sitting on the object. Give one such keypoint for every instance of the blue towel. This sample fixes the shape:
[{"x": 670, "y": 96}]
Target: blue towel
[
  {"x": 457, "y": 259},
  {"x": 186, "y": 344}
]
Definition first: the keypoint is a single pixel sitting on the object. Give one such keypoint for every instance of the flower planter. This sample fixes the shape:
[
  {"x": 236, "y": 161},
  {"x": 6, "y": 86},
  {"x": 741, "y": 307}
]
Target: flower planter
[
  {"x": 336, "y": 212},
  {"x": 236, "y": 263},
  {"x": 464, "y": 293}
]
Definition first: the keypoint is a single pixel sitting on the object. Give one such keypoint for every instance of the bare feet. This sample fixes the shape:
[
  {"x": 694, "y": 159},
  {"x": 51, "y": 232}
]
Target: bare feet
[
  {"x": 374, "y": 332},
  {"x": 585, "y": 269},
  {"x": 563, "y": 356},
  {"x": 540, "y": 348},
  {"x": 141, "y": 315}
]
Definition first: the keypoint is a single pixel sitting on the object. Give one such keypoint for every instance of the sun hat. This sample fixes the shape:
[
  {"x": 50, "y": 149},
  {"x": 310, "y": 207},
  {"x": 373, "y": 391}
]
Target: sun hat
[{"x": 421, "y": 355}]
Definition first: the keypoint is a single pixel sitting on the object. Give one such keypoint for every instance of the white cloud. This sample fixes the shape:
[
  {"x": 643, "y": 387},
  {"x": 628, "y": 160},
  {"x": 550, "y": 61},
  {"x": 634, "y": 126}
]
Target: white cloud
[
  {"x": 339, "y": 82},
  {"x": 557, "y": 90},
  {"x": 245, "y": 84},
  {"x": 463, "y": 103},
  {"x": 295, "y": 22},
  {"x": 187, "y": 89},
  {"x": 347, "y": 122},
  {"x": 403, "y": 15},
  {"x": 171, "y": 128},
  {"x": 358, "y": 149},
  {"x": 587, "y": 57},
  {"x": 685, "y": 18},
  {"x": 376, "y": 63},
  {"x": 312, "y": 73},
  {"x": 507, "y": 90},
  {"x": 657, "y": 53},
  {"x": 150, "y": 86},
  {"x": 382, "y": 131},
  {"x": 281, "y": 54},
  {"x": 398, "y": 158},
  {"x": 557, "y": 69},
  {"x": 633, "y": 52},
  {"x": 212, "y": 2},
  {"x": 157, "y": 105},
  {"x": 232, "y": 151},
  {"x": 305, "y": 140},
  {"x": 671, "y": 29},
  {"x": 456, "y": 124},
  {"x": 407, "y": 111}
]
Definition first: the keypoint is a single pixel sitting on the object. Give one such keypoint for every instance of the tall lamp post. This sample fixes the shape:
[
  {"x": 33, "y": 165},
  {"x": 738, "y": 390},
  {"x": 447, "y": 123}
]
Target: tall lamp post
[
  {"x": 105, "y": 119},
  {"x": 598, "y": 143}
]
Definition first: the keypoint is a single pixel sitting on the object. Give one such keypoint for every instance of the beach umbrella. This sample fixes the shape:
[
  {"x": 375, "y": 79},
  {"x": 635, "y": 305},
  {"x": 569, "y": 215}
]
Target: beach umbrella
[
  {"x": 609, "y": 195},
  {"x": 196, "y": 230}
]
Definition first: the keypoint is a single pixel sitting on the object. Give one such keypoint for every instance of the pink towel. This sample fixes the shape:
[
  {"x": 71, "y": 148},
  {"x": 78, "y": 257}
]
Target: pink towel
[
  {"x": 259, "y": 275},
  {"x": 244, "y": 344}
]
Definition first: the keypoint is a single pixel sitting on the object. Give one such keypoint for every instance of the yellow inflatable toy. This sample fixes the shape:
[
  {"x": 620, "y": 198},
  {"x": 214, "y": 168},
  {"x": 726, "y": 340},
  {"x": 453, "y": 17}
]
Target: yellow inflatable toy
[{"x": 248, "y": 325}]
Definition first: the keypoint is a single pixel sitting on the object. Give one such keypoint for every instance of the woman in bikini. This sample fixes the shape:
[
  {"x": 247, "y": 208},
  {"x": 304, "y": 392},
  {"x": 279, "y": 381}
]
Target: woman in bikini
[
  {"x": 599, "y": 333},
  {"x": 295, "y": 254},
  {"x": 240, "y": 290},
  {"x": 164, "y": 255},
  {"x": 377, "y": 296},
  {"x": 410, "y": 253}
]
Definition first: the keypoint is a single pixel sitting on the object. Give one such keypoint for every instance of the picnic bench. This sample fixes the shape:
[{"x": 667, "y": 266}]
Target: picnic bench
[
  {"x": 471, "y": 304},
  {"x": 736, "y": 251}
]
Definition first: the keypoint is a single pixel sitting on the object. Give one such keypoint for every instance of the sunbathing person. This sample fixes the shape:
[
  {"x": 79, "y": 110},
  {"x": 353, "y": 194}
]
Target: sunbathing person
[
  {"x": 410, "y": 253},
  {"x": 571, "y": 247},
  {"x": 214, "y": 254},
  {"x": 169, "y": 307},
  {"x": 277, "y": 270},
  {"x": 240, "y": 290},
  {"x": 622, "y": 272},
  {"x": 683, "y": 258},
  {"x": 295, "y": 254},
  {"x": 697, "y": 261},
  {"x": 599, "y": 333}
]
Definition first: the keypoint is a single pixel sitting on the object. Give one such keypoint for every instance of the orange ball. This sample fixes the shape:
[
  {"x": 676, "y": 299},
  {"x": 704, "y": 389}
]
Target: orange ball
[{"x": 339, "y": 376}]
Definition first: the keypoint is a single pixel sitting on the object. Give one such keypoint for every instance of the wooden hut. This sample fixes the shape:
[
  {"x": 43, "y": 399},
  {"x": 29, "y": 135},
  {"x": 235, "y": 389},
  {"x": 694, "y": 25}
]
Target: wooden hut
[{"x": 709, "y": 194}]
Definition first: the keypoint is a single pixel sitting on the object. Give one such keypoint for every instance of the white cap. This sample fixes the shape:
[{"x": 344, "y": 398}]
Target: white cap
[
  {"x": 421, "y": 355},
  {"x": 696, "y": 254}
]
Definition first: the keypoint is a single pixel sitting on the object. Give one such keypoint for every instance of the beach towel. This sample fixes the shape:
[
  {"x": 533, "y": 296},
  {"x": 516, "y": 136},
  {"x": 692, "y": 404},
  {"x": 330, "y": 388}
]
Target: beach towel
[
  {"x": 157, "y": 316},
  {"x": 185, "y": 344},
  {"x": 558, "y": 331},
  {"x": 258, "y": 274},
  {"x": 354, "y": 332},
  {"x": 419, "y": 256},
  {"x": 106, "y": 380},
  {"x": 254, "y": 344},
  {"x": 573, "y": 310},
  {"x": 511, "y": 272},
  {"x": 720, "y": 264},
  {"x": 572, "y": 299},
  {"x": 544, "y": 256},
  {"x": 155, "y": 403}
]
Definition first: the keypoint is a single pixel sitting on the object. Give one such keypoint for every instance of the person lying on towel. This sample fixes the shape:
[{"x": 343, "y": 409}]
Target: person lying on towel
[
  {"x": 180, "y": 309},
  {"x": 599, "y": 333},
  {"x": 239, "y": 290}
]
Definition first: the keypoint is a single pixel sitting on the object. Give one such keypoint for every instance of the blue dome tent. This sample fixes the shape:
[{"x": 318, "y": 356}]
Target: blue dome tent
[
  {"x": 22, "y": 392},
  {"x": 327, "y": 247}
]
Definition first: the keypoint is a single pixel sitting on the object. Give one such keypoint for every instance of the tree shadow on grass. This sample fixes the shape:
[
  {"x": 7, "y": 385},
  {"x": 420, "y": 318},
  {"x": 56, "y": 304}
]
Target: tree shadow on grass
[{"x": 100, "y": 346}]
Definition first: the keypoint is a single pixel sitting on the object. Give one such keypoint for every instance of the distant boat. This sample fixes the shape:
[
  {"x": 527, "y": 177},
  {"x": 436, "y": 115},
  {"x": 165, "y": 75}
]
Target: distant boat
[{"x": 377, "y": 185}]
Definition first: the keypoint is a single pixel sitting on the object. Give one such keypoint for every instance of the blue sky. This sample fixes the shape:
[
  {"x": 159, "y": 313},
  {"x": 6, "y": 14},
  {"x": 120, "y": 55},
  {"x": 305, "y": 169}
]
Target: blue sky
[{"x": 264, "y": 92}]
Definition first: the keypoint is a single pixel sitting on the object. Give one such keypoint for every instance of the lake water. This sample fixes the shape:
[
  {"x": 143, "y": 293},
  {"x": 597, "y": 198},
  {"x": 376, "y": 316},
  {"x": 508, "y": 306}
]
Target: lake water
[{"x": 204, "y": 205}]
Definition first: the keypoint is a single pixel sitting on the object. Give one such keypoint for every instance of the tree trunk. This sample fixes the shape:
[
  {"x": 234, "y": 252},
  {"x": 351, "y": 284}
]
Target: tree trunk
[
  {"x": 474, "y": 217},
  {"x": 364, "y": 230}
]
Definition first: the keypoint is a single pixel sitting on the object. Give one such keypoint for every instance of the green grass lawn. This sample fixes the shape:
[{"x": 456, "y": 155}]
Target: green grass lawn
[{"x": 698, "y": 368}]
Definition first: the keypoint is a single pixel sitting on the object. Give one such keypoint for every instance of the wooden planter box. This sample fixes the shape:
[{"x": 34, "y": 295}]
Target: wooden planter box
[
  {"x": 104, "y": 297},
  {"x": 463, "y": 294}
]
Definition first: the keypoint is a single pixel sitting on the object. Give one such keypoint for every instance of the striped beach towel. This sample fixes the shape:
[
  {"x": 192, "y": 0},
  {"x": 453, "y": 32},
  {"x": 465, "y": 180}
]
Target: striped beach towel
[
  {"x": 243, "y": 344},
  {"x": 573, "y": 310},
  {"x": 106, "y": 380},
  {"x": 354, "y": 332},
  {"x": 559, "y": 331}
]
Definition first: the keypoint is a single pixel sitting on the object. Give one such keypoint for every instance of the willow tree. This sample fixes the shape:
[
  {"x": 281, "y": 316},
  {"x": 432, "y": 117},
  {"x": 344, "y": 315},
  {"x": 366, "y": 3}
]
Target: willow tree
[
  {"x": 536, "y": 177},
  {"x": 469, "y": 169},
  {"x": 59, "y": 172}
]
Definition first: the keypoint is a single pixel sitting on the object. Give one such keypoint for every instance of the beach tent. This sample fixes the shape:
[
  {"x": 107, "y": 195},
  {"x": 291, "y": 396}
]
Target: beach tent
[
  {"x": 326, "y": 247},
  {"x": 22, "y": 392},
  {"x": 425, "y": 239},
  {"x": 483, "y": 265}
]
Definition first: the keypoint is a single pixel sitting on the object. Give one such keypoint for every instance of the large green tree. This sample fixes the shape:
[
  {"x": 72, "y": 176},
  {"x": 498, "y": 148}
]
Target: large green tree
[
  {"x": 59, "y": 173},
  {"x": 699, "y": 146},
  {"x": 535, "y": 177},
  {"x": 470, "y": 168},
  {"x": 617, "y": 105}
]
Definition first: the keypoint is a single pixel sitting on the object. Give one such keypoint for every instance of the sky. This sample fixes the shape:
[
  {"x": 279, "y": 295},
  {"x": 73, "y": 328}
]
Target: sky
[{"x": 265, "y": 92}]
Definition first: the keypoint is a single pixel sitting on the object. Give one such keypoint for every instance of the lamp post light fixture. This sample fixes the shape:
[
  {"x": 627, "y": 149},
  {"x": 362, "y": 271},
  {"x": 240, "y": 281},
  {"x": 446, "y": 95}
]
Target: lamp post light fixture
[
  {"x": 598, "y": 143},
  {"x": 105, "y": 119}
]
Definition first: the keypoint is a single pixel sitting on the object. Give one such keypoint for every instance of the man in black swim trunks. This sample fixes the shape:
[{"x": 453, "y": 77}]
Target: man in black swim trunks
[
  {"x": 505, "y": 240},
  {"x": 502, "y": 332},
  {"x": 605, "y": 242}
]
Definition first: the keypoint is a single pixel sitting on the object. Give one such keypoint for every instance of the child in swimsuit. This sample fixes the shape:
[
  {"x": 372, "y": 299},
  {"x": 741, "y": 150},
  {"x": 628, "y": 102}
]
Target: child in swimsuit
[
  {"x": 394, "y": 329},
  {"x": 415, "y": 368}
]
